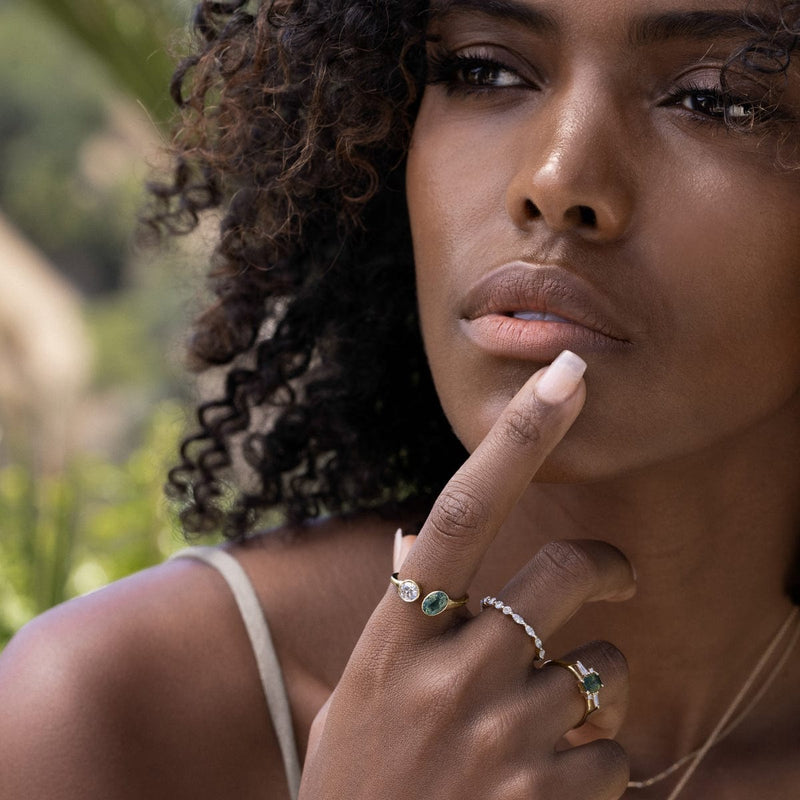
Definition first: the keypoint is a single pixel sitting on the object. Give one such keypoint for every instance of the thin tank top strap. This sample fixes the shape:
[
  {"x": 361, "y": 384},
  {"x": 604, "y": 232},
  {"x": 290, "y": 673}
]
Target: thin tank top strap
[{"x": 268, "y": 666}]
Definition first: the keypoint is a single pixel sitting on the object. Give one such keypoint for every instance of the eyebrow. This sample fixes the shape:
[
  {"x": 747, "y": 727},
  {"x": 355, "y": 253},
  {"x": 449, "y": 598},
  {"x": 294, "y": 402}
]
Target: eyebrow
[
  {"x": 506, "y": 9},
  {"x": 653, "y": 29},
  {"x": 696, "y": 25}
]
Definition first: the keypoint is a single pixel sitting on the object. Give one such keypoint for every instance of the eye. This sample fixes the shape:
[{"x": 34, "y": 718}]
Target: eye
[
  {"x": 478, "y": 72},
  {"x": 716, "y": 105},
  {"x": 471, "y": 73}
]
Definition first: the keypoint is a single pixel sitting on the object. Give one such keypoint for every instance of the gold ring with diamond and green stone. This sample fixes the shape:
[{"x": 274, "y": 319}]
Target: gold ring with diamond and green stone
[
  {"x": 589, "y": 684},
  {"x": 433, "y": 603}
]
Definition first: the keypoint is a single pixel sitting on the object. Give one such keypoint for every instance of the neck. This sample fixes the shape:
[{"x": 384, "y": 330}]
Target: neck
[{"x": 712, "y": 539}]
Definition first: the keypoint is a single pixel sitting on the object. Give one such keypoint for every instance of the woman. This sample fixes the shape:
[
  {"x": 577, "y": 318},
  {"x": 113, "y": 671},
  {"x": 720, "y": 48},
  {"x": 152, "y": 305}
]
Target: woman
[{"x": 612, "y": 179}]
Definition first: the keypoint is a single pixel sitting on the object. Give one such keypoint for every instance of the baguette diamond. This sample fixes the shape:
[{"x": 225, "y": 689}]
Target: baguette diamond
[{"x": 589, "y": 684}]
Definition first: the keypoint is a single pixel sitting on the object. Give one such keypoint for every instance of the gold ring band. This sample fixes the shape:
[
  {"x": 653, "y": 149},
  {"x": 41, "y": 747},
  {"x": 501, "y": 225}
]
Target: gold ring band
[
  {"x": 433, "y": 603},
  {"x": 589, "y": 684}
]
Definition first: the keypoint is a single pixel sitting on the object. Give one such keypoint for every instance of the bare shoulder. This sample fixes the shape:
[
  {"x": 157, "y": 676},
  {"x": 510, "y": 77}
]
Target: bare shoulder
[
  {"x": 149, "y": 687},
  {"x": 143, "y": 689}
]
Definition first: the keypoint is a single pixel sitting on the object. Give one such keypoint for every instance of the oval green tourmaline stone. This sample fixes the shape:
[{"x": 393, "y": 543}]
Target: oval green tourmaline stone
[{"x": 434, "y": 603}]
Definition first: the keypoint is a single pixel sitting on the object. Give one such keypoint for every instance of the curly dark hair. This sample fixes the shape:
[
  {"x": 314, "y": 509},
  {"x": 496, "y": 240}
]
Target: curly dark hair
[
  {"x": 296, "y": 118},
  {"x": 315, "y": 314}
]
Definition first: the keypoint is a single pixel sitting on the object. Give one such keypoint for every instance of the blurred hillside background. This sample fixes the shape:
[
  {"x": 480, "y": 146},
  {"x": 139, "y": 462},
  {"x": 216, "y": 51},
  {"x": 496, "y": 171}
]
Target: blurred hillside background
[{"x": 93, "y": 396}]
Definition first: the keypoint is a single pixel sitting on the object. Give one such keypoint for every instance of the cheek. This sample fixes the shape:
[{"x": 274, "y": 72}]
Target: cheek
[
  {"x": 456, "y": 201},
  {"x": 732, "y": 282},
  {"x": 458, "y": 171},
  {"x": 720, "y": 272},
  {"x": 445, "y": 227}
]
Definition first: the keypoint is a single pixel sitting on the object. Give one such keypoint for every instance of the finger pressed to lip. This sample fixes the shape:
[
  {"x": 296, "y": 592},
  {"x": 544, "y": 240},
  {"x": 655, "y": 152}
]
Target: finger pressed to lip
[{"x": 467, "y": 515}]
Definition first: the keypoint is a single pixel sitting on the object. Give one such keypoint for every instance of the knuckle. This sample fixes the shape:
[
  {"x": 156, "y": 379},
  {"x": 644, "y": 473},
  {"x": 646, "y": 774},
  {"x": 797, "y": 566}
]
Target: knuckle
[
  {"x": 565, "y": 562},
  {"x": 598, "y": 769},
  {"x": 427, "y": 687},
  {"x": 494, "y": 729},
  {"x": 609, "y": 660},
  {"x": 522, "y": 427},
  {"x": 459, "y": 511},
  {"x": 609, "y": 758},
  {"x": 543, "y": 783},
  {"x": 437, "y": 692},
  {"x": 371, "y": 666}
]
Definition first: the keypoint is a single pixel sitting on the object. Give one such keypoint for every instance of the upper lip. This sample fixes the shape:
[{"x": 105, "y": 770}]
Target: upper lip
[{"x": 525, "y": 286}]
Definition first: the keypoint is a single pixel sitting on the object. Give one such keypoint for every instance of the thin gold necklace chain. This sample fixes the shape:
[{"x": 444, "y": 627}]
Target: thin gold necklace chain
[{"x": 721, "y": 731}]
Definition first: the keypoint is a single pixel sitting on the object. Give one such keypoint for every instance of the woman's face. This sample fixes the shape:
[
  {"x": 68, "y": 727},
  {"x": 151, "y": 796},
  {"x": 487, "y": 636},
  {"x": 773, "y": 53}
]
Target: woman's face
[{"x": 572, "y": 184}]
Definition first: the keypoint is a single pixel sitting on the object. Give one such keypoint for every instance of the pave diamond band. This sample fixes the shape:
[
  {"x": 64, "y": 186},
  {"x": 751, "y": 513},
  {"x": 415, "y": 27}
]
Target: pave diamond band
[
  {"x": 493, "y": 602},
  {"x": 589, "y": 684},
  {"x": 433, "y": 603}
]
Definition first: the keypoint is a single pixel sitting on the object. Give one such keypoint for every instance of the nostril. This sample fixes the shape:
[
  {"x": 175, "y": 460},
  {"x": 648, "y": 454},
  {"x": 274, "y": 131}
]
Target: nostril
[
  {"x": 532, "y": 210},
  {"x": 587, "y": 216}
]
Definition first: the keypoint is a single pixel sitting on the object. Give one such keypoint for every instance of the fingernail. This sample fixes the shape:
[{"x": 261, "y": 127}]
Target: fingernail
[
  {"x": 561, "y": 378},
  {"x": 398, "y": 543}
]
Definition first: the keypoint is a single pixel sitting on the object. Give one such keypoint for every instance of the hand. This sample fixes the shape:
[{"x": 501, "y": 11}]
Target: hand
[{"x": 450, "y": 706}]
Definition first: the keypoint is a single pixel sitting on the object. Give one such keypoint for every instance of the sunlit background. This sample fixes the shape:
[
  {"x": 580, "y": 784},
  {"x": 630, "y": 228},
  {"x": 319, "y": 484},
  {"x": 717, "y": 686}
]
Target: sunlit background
[{"x": 93, "y": 395}]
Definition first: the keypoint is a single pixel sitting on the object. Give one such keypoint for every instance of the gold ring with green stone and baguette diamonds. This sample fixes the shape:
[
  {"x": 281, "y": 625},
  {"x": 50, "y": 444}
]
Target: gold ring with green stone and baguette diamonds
[
  {"x": 433, "y": 603},
  {"x": 589, "y": 684}
]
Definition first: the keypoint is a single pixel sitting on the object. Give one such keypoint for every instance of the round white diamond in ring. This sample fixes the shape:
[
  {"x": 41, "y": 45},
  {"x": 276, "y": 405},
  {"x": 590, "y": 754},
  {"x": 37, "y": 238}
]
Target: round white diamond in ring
[
  {"x": 408, "y": 591},
  {"x": 434, "y": 603}
]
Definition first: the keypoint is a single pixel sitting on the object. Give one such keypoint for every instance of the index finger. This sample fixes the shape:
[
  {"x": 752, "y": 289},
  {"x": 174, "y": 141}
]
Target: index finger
[{"x": 475, "y": 502}]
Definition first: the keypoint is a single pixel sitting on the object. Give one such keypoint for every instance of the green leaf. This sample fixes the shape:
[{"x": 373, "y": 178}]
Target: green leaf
[{"x": 129, "y": 37}]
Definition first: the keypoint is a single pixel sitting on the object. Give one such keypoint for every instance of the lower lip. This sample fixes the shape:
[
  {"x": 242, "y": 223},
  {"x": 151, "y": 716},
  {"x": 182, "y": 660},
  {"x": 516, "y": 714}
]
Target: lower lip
[{"x": 535, "y": 340}]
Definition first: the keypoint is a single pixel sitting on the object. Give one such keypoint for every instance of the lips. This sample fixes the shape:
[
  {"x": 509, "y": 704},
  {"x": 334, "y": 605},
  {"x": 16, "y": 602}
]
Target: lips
[{"x": 532, "y": 311}]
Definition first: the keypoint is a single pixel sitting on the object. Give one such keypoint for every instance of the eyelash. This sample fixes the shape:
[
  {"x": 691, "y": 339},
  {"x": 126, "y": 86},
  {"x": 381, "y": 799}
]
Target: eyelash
[
  {"x": 449, "y": 69},
  {"x": 727, "y": 108}
]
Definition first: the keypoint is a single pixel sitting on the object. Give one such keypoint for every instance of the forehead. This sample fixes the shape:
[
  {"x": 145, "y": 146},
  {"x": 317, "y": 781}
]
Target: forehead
[{"x": 639, "y": 21}]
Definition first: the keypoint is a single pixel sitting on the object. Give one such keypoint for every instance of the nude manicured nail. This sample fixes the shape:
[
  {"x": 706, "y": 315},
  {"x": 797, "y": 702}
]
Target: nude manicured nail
[{"x": 561, "y": 378}]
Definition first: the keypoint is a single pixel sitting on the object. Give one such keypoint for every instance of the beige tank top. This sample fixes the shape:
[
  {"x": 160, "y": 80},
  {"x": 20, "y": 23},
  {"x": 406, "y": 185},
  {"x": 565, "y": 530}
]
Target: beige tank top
[{"x": 269, "y": 668}]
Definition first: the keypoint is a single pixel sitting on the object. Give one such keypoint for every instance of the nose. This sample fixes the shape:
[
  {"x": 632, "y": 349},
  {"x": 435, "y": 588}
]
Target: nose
[{"x": 573, "y": 173}]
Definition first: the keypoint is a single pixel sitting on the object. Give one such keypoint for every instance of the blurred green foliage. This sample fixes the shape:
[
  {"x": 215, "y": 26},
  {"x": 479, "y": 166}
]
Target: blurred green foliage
[
  {"x": 83, "y": 99},
  {"x": 94, "y": 522},
  {"x": 129, "y": 38},
  {"x": 49, "y": 106}
]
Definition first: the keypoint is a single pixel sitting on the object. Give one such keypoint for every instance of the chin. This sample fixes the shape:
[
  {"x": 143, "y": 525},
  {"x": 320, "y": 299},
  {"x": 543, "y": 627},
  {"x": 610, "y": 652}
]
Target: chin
[{"x": 575, "y": 461}]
